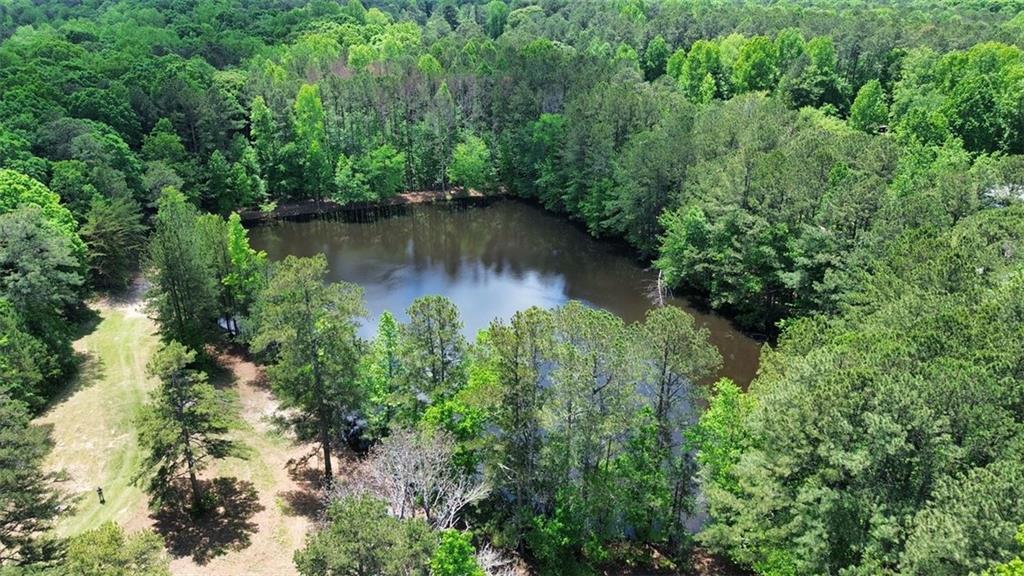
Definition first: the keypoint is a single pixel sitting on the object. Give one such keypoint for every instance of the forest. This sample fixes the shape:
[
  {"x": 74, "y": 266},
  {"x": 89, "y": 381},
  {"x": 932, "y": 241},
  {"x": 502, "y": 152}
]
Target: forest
[{"x": 844, "y": 180}]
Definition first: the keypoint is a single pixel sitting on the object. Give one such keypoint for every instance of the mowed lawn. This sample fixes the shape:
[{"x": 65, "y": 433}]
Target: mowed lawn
[
  {"x": 95, "y": 445},
  {"x": 92, "y": 429}
]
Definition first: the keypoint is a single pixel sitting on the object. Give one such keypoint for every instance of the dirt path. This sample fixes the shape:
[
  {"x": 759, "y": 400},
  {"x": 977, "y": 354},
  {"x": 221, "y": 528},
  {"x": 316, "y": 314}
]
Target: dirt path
[
  {"x": 271, "y": 505},
  {"x": 287, "y": 501}
]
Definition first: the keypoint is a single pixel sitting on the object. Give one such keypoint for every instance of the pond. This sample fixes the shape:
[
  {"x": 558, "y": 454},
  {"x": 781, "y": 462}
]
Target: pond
[{"x": 491, "y": 259}]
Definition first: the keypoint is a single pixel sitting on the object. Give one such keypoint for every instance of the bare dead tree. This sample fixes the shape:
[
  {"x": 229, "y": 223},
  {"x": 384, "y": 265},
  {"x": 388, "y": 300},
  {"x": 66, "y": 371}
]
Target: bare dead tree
[
  {"x": 495, "y": 563},
  {"x": 415, "y": 473}
]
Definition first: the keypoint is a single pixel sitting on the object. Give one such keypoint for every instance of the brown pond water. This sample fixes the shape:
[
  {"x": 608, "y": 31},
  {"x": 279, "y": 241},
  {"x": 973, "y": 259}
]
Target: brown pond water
[{"x": 491, "y": 259}]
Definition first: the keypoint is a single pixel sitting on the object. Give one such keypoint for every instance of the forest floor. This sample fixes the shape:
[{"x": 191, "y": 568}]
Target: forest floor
[{"x": 269, "y": 498}]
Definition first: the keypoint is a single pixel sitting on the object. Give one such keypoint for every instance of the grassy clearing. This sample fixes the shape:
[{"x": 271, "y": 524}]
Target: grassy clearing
[
  {"x": 96, "y": 445},
  {"x": 95, "y": 441}
]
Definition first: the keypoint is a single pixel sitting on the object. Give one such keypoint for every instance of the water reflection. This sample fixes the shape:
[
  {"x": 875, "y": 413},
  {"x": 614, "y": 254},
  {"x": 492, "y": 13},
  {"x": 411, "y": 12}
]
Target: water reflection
[{"x": 491, "y": 260}]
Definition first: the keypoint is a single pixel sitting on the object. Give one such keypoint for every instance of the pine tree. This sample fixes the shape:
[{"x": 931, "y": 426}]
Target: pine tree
[{"x": 185, "y": 425}]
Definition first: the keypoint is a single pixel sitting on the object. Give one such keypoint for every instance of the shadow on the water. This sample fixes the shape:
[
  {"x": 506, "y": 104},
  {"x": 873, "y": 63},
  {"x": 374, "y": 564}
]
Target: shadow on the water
[{"x": 226, "y": 527}]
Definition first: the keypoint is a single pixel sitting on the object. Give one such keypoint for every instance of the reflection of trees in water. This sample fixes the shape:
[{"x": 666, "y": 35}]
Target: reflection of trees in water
[{"x": 506, "y": 238}]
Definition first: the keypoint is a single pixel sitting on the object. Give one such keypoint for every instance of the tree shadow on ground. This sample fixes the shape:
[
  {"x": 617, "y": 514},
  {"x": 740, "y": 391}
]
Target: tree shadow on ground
[
  {"x": 89, "y": 369},
  {"x": 226, "y": 527},
  {"x": 308, "y": 499}
]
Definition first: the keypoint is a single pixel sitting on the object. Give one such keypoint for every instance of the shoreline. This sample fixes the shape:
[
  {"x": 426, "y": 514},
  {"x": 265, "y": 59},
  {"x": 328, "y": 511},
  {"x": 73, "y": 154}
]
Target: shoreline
[{"x": 305, "y": 208}]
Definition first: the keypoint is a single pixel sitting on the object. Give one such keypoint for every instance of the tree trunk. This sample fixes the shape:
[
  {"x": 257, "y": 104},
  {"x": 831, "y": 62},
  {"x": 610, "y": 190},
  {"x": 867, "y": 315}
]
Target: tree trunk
[
  {"x": 318, "y": 383},
  {"x": 325, "y": 441},
  {"x": 197, "y": 490}
]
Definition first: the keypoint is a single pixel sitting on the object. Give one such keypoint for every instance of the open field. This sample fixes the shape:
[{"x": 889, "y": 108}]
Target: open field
[{"x": 272, "y": 501}]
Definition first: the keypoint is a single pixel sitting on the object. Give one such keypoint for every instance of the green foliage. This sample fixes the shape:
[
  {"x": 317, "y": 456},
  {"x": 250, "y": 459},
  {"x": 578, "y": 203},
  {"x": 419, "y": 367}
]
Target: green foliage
[
  {"x": 702, "y": 67},
  {"x": 378, "y": 374},
  {"x": 655, "y": 58},
  {"x": 184, "y": 426},
  {"x": 115, "y": 237},
  {"x": 184, "y": 292},
  {"x": 770, "y": 209},
  {"x": 455, "y": 556},
  {"x": 362, "y": 539},
  {"x": 248, "y": 269},
  {"x": 497, "y": 16},
  {"x": 1014, "y": 567},
  {"x": 720, "y": 437},
  {"x": 311, "y": 140},
  {"x": 377, "y": 175},
  {"x": 874, "y": 441},
  {"x": 29, "y": 504},
  {"x": 18, "y": 190},
  {"x": 869, "y": 110},
  {"x": 755, "y": 67},
  {"x": 309, "y": 330},
  {"x": 471, "y": 163},
  {"x": 571, "y": 421},
  {"x": 108, "y": 551},
  {"x": 26, "y": 366},
  {"x": 681, "y": 356},
  {"x": 973, "y": 92},
  {"x": 432, "y": 353}
]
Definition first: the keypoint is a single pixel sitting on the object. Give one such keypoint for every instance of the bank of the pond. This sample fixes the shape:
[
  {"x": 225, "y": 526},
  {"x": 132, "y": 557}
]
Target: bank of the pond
[{"x": 314, "y": 208}]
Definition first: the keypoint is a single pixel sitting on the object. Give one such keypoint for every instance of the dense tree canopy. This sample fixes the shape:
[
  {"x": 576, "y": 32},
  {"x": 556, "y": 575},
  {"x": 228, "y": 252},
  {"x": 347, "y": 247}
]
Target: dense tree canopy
[{"x": 844, "y": 180}]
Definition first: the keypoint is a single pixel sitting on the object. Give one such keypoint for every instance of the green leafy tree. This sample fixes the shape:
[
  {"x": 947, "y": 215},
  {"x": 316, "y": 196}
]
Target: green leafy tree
[
  {"x": 1014, "y": 567},
  {"x": 680, "y": 356},
  {"x": 907, "y": 425},
  {"x": 755, "y": 67},
  {"x": 184, "y": 426},
  {"x": 703, "y": 66},
  {"x": 18, "y": 190},
  {"x": 311, "y": 140},
  {"x": 471, "y": 163},
  {"x": 71, "y": 181},
  {"x": 455, "y": 556},
  {"x": 720, "y": 436},
  {"x": 818, "y": 83},
  {"x": 248, "y": 271},
  {"x": 869, "y": 110},
  {"x": 379, "y": 373},
  {"x": 655, "y": 58},
  {"x": 310, "y": 330},
  {"x": 263, "y": 132},
  {"x": 350, "y": 182},
  {"x": 789, "y": 46},
  {"x": 109, "y": 551},
  {"x": 520, "y": 350},
  {"x": 41, "y": 278},
  {"x": 376, "y": 175},
  {"x": 384, "y": 171},
  {"x": 361, "y": 539},
  {"x": 29, "y": 503},
  {"x": 163, "y": 143},
  {"x": 497, "y": 16},
  {"x": 219, "y": 193}
]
